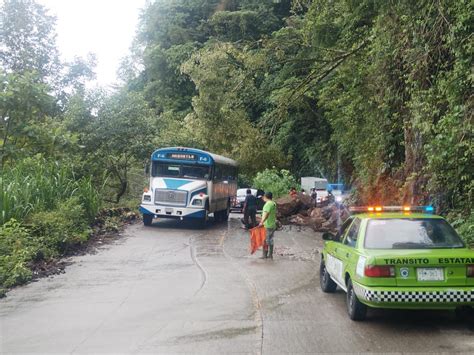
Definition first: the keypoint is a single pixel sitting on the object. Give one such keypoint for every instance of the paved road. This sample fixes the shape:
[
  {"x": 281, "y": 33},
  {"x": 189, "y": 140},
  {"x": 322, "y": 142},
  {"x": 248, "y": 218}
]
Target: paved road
[{"x": 169, "y": 288}]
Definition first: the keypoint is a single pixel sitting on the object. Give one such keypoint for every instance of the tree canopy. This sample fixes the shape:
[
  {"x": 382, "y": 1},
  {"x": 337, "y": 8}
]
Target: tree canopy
[{"x": 377, "y": 94}]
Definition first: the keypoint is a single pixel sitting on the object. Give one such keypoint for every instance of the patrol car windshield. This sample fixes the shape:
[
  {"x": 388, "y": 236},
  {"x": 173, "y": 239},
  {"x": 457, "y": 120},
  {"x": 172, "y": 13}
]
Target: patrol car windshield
[
  {"x": 411, "y": 234},
  {"x": 180, "y": 171}
]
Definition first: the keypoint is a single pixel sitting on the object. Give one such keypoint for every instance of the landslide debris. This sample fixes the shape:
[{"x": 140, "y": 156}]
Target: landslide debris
[{"x": 300, "y": 210}]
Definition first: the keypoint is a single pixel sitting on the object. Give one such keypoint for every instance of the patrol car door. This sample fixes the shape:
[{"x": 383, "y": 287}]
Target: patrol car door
[
  {"x": 334, "y": 265},
  {"x": 346, "y": 251}
]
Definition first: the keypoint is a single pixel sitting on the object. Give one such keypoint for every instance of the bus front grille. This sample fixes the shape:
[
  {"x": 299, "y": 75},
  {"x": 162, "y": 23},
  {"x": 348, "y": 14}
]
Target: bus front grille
[{"x": 171, "y": 197}]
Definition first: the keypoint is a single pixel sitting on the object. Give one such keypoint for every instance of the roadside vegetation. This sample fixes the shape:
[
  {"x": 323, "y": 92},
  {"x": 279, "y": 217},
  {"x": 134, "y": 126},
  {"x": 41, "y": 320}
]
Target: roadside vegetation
[
  {"x": 278, "y": 182},
  {"x": 377, "y": 94}
]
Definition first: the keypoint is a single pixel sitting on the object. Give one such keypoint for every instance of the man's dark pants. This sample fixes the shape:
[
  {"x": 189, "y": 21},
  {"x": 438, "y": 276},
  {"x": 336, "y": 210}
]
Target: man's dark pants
[{"x": 252, "y": 214}]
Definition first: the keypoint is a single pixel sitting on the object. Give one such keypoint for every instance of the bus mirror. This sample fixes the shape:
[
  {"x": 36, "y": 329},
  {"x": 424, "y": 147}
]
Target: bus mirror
[{"x": 147, "y": 169}]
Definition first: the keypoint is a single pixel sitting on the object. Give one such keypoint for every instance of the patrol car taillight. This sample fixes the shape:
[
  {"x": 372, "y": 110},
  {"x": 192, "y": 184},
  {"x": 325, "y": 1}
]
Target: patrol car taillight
[
  {"x": 470, "y": 271},
  {"x": 379, "y": 271}
]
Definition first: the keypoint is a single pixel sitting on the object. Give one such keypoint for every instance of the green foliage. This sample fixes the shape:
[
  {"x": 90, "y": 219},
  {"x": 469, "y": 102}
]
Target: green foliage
[
  {"x": 24, "y": 106},
  {"x": 120, "y": 136},
  {"x": 278, "y": 182},
  {"x": 464, "y": 225},
  {"x": 199, "y": 83},
  {"x": 48, "y": 234},
  {"x": 17, "y": 248},
  {"x": 228, "y": 113},
  {"x": 57, "y": 230},
  {"x": 36, "y": 184},
  {"x": 28, "y": 38}
]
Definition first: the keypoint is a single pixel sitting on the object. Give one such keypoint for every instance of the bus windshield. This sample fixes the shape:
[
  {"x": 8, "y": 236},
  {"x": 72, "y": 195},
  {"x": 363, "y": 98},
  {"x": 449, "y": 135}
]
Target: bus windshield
[{"x": 180, "y": 171}]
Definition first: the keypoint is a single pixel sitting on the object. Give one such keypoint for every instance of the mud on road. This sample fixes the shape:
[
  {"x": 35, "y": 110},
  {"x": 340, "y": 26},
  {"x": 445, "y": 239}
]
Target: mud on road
[{"x": 170, "y": 288}]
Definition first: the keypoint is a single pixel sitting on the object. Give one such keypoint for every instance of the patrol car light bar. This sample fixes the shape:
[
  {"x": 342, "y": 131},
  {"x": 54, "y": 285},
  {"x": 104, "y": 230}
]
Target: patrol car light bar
[{"x": 361, "y": 209}]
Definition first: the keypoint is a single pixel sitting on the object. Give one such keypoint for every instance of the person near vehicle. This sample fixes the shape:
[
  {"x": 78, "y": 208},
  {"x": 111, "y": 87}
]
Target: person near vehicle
[
  {"x": 293, "y": 192},
  {"x": 314, "y": 196},
  {"x": 303, "y": 192},
  {"x": 269, "y": 222},
  {"x": 250, "y": 210}
]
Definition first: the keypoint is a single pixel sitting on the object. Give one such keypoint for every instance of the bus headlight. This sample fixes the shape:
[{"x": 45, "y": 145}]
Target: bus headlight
[
  {"x": 147, "y": 198},
  {"x": 197, "y": 202}
]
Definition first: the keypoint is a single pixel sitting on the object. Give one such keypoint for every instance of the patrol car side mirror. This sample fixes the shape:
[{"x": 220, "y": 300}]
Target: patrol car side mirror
[{"x": 328, "y": 236}]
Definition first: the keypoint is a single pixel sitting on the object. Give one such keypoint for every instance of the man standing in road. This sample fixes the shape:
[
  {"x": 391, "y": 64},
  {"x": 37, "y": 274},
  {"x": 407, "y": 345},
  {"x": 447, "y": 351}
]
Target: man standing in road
[
  {"x": 269, "y": 222},
  {"x": 314, "y": 196},
  {"x": 250, "y": 210}
]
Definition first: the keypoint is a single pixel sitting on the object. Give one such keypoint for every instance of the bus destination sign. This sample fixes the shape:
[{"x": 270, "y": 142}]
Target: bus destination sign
[{"x": 182, "y": 156}]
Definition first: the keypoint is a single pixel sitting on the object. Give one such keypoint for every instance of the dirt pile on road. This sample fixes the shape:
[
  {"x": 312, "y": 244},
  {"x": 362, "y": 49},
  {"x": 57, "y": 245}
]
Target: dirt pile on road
[{"x": 300, "y": 210}]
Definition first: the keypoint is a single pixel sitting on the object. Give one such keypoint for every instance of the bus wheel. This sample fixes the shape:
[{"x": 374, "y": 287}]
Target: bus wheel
[{"x": 147, "y": 219}]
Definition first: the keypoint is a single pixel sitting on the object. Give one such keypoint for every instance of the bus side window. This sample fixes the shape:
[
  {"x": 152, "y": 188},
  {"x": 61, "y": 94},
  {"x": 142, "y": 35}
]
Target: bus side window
[
  {"x": 225, "y": 173},
  {"x": 217, "y": 172},
  {"x": 228, "y": 173}
]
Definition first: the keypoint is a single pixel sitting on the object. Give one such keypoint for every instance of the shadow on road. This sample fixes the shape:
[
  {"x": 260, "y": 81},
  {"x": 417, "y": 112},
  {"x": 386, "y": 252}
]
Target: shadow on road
[
  {"x": 414, "y": 320},
  {"x": 185, "y": 224},
  {"x": 166, "y": 223},
  {"x": 418, "y": 319}
]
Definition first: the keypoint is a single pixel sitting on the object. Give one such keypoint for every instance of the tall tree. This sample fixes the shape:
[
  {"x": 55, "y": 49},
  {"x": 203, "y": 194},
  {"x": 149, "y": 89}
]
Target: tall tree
[{"x": 28, "y": 39}]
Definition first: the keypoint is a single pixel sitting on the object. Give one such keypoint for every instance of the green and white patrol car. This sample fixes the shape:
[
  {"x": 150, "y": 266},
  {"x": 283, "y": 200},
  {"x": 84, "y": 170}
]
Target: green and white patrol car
[{"x": 398, "y": 257}]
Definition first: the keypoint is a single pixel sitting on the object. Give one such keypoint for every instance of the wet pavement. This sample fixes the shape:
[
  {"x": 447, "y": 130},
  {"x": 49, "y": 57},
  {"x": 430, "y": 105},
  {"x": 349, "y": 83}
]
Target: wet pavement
[{"x": 170, "y": 288}]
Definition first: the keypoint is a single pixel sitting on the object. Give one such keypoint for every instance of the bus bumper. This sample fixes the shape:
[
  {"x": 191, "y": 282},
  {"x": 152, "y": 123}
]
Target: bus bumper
[{"x": 158, "y": 211}]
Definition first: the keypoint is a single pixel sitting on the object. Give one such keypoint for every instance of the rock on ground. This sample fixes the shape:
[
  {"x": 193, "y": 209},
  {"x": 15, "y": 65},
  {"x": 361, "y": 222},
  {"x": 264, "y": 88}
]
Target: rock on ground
[{"x": 300, "y": 210}]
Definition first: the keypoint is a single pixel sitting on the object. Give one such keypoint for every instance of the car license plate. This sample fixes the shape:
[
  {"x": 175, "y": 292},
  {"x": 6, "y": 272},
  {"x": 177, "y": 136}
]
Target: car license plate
[{"x": 430, "y": 274}]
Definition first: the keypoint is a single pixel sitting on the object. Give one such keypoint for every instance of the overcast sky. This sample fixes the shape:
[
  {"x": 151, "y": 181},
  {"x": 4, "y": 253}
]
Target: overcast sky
[{"x": 103, "y": 27}]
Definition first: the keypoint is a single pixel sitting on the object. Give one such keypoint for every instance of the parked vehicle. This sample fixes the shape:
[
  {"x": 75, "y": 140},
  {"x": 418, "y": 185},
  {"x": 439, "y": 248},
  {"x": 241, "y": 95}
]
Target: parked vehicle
[
  {"x": 398, "y": 257},
  {"x": 320, "y": 184},
  {"x": 339, "y": 192},
  {"x": 239, "y": 199},
  {"x": 187, "y": 183}
]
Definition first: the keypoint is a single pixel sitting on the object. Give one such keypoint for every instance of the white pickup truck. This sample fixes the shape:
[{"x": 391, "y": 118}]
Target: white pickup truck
[{"x": 320, "y": 184}]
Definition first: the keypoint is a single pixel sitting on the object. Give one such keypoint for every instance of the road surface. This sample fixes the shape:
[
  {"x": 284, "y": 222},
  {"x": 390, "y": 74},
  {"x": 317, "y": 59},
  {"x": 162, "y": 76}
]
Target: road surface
[{"x": 170, "y": 288}]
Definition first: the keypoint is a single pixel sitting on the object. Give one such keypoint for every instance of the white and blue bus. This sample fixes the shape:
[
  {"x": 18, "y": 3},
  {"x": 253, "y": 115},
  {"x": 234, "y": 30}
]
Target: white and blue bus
[{"x": 187, "y": 183}]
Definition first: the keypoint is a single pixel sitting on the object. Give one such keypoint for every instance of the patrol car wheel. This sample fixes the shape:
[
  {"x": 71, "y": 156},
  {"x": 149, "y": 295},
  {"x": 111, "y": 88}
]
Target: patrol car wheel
[
  {"x": 327, "y": 284},
  {"x": 356, "y": 309},
  {"x": 147, "y": 219}
]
